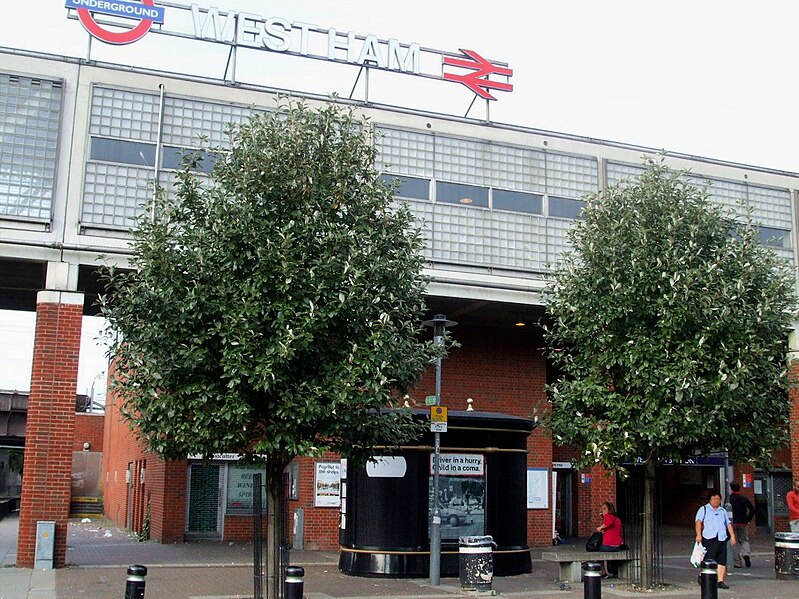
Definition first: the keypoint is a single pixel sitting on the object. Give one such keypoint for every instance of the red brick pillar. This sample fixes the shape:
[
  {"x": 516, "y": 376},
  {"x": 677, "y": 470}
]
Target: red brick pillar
[
  {"x": 51, "y": 423},
  {"x": 166, "y": 493},
  {"x": 794, "y": 393},
  {"x": 539, "y": 521},
  {"x": 595, "y": 485}
]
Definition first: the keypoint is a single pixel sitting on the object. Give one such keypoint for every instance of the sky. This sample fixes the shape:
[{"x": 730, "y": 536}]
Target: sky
[{"x": 712, "y": 78}]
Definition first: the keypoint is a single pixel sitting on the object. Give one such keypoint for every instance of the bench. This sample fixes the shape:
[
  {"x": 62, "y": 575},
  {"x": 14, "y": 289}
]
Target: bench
[{"x": 571, "y": 561}]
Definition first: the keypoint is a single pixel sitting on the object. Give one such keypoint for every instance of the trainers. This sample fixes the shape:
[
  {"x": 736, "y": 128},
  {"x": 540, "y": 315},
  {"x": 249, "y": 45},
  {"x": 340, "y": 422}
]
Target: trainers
[
  {"x": 748, "y": 561},
  {"x": 723, "y": 585}
]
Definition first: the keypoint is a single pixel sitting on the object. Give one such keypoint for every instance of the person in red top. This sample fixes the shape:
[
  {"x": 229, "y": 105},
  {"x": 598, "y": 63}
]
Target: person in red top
[
  {"x": 792, "y": 499},
  {"x": 611, "y": 536}
]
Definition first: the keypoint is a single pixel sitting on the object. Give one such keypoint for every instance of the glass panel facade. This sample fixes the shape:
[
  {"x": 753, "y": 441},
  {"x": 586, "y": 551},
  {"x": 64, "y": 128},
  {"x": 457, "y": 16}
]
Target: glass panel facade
[
  {"x": 617, "y": 171},
  {"x": 571, "y": 176},
  {"x": 528, "y": 197},
  {"x": 187, "y": 121},
  {"x": 516, "y": 201},
  {"x": 124, "y": 114},
  {"x": 565, "y": 207},
  {"x": 409, "y": 187},
  {"x": 114, "y": 195},
  {"x": 172, "y": 158},
  {"x": 30, "y": 112},
  {"x": 123, "y": 152},
  {"x": 770, "y": 236},
  {"x": 405, "y": 152},
  {"x": 466, "y": 195}
]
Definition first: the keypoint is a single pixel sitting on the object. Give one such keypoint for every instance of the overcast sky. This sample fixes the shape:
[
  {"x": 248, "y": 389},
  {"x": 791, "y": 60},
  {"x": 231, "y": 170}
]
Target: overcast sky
[{"x": 712, "y": 78}]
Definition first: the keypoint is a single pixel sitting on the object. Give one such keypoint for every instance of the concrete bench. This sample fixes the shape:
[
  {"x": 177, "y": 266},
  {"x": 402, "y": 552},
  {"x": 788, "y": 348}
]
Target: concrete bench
[{"x": 571, "y": 561}]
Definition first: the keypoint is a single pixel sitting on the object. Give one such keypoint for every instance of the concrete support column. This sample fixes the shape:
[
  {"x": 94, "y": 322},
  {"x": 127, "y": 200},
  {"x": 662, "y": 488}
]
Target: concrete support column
[{"x": 51, "y": 422}]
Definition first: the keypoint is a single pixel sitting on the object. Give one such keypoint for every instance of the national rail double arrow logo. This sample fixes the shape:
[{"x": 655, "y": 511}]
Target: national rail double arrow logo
[{"x": 478, "y": 80}]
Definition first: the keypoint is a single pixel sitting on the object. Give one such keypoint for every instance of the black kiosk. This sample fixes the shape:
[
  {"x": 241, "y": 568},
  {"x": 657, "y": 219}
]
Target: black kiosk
[{"x": 385, "y": 505}]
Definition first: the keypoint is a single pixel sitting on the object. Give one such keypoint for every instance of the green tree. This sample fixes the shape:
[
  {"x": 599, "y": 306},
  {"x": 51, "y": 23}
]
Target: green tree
[
  {"x": 669, "y": 325},
  {"x": 275, "y": 310}
]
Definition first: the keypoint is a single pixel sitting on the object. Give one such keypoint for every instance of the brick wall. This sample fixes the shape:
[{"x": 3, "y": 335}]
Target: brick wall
[
  {"x": 50, "y": 429},
  {"x": 88, "y": 428},
  {"x": 320, "y": 523},
  {"x": 794, "y": 452},
  {"x": 502, "y": 370},
  {"x": 595, "y": 485},
  {"x": 152, "y": 481}
]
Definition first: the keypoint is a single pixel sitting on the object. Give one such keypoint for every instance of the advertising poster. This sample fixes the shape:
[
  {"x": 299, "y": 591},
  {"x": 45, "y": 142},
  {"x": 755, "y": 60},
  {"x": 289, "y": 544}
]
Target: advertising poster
[
  {"x": 537, "y": 488},
  {"x": 327, "y": 484}
]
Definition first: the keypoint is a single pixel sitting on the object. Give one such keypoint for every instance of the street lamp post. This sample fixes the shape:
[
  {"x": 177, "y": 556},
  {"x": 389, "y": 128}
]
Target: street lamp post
[{"x": 439, "y": 324}]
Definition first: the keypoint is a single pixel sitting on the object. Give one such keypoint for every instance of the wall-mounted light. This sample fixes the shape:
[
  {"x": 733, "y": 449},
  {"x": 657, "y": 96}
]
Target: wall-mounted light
[{"x": 87, "y": 446}]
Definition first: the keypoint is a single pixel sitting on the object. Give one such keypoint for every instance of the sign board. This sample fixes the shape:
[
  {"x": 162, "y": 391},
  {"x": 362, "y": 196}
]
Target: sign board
[
  {"x": 327, "y": 484},
  {"x": 430, "y": 400},
  {"x": 438, "y": 419},
  {"x": 537, "y": 488},
  {"x": 459, "y": 464},
  {"x": 585, "y": 479},
  {"x": 121, "y": 22}
]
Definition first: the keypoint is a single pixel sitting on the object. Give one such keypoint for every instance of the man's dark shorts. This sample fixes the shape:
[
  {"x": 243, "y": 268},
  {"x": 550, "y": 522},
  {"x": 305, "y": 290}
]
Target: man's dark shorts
[{"x": 716, "y": 550}]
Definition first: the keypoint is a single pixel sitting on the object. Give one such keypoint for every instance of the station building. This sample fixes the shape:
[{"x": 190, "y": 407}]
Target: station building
[{"x": 83, "y": 144}]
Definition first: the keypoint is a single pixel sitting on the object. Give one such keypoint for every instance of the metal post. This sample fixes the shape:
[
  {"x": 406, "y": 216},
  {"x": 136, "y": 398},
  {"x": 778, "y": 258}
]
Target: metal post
[
  {"x": 592, "y": 581},
  {"x": 134, "y": 587},
  {"x": 439, "y": 323},
  {"x": 293, "y": 585},
  {"x": 435, "y": 528},
  {"x": 257, "y": 539},
  {"x": 708, "y": 579}
]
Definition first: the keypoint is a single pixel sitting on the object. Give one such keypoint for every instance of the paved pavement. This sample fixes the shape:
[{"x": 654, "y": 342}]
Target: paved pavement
[{"x": 98, "y": 555}]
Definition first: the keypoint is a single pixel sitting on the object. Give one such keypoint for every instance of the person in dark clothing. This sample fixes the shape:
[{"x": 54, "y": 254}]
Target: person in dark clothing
[{"x": 742, "y": 513}]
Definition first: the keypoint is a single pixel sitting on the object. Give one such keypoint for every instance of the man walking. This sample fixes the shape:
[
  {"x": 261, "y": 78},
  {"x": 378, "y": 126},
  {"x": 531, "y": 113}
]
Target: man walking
[
  {"x": 742, "y": 513},
  {"x": 792, "y": 499}
]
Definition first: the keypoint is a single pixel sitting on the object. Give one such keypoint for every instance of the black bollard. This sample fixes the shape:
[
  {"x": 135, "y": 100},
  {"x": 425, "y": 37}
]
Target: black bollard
[
  {"x": 708, "y": 579},
  {"x": 134, "y": 587},
  {"x": 592, "y": 581},
  {"x": 292, "y": 587}
]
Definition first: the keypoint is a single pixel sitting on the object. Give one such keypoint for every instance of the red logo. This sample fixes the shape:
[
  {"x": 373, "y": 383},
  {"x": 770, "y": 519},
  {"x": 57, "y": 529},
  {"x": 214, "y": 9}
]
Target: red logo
[
  {"x": 145, "y": 12},
  {"x": 477, "y": 80}
]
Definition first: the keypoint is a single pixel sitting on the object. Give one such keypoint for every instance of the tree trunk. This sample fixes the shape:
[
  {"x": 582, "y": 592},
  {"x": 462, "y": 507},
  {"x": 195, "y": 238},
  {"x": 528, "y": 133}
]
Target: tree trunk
[
  {"x": 274, "y": 525},
  {"x": 648, "y": 527}
]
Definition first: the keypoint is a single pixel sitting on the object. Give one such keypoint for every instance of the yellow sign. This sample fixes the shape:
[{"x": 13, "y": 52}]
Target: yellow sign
[{"x": 438, "y": 414}]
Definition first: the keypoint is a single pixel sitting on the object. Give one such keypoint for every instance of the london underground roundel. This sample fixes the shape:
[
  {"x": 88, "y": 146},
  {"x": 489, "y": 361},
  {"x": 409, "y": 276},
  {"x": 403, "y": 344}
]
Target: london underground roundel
[{"x": 145, "y": 13}]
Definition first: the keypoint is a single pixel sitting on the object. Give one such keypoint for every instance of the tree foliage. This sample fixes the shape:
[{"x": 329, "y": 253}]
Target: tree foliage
[
  {"x": 276, "y": 308},
  {"x": 669, "y": 325}
]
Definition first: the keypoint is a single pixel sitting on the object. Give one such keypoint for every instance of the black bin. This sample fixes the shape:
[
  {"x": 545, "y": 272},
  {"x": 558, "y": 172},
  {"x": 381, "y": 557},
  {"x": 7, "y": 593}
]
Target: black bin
[
  {"x": 476, "y": 563},
  {"x": 786, "y": 555}
]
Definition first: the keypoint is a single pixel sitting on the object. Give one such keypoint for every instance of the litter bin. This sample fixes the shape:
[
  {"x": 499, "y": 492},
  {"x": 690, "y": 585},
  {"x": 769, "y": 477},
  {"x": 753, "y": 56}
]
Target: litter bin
[
  {"x": 786, "y": 555},
  {"x": 476, "y": 563}
]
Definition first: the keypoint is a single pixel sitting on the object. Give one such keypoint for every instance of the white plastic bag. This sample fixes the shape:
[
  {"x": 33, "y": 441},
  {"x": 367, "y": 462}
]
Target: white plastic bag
[{"x": 698, "y": 554}]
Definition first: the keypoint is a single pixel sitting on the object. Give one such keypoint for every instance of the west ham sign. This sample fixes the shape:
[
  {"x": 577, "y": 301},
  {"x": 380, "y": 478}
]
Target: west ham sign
[{"x": 124, "y": 22}]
